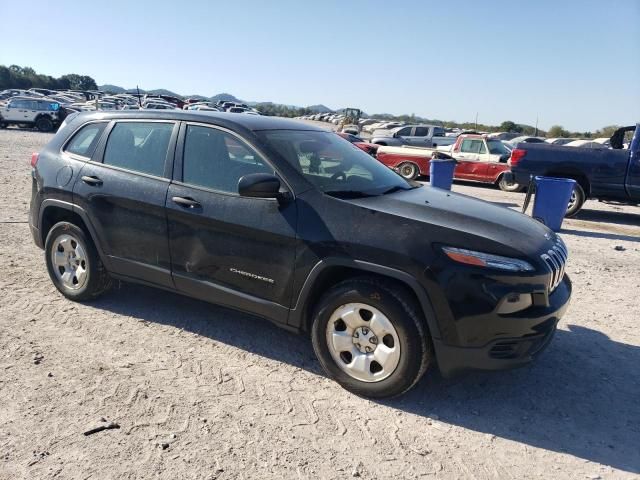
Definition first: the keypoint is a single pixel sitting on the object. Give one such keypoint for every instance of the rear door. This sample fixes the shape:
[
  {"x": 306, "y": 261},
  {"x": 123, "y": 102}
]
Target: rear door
[
  {"x": 123, "y": 191},
  {"x": 228, "y": 249},
  {"x": 16, "y": 110},
  {"x": 419, "y": 137}
]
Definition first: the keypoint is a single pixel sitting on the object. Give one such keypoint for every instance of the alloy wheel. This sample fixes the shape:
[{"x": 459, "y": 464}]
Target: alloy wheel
[{"x": 363, "y": 342}]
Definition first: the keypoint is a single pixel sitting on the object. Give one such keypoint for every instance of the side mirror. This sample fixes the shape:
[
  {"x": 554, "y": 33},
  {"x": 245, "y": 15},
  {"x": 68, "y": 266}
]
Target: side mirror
[{"x": 259, "y": 185}]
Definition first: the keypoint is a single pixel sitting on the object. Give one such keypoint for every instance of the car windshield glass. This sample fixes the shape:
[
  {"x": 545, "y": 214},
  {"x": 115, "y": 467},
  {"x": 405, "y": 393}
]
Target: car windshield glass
[
  {"x": 334, "y": 165},
  {"x": 496, "y": 147}
]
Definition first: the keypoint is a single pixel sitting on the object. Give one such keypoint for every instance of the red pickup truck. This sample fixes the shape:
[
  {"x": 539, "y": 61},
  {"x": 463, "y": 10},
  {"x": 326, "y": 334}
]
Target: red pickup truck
[{"x": 479, "y": 158}]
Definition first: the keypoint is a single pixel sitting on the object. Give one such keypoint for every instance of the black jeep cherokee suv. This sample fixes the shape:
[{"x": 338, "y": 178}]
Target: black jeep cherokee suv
[{"x": 293, "y": 223}]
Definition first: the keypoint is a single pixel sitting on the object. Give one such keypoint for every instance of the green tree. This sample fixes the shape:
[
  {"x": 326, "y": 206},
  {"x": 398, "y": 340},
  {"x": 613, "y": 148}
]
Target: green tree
[
  {"x": 606, "y": 131},
  {"x": 509, "y": 126},
  {"x": 557, "y": 131}
]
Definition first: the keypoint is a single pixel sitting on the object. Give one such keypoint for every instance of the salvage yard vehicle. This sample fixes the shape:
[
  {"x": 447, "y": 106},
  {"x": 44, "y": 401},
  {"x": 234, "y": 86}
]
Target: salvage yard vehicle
[
  {"x": 608, "y": 174},
  {"x": 370, "y": 148},
  {"x": 43, "y": 114},
  {"x": 479, "y": 159},
  {"x": 290, "y": 222},
  {"x": 413, "y": 135}
]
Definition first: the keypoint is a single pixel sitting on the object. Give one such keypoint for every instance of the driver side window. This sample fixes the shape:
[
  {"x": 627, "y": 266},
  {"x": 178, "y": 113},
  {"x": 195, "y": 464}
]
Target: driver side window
[{"x": 404, "y": 132}]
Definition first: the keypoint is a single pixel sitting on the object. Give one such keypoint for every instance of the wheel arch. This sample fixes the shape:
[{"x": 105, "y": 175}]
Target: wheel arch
[
  {"x": 574, "y": 174},
  {"x": 329, "y": 272},
  {"x": 54, "y": 211}
]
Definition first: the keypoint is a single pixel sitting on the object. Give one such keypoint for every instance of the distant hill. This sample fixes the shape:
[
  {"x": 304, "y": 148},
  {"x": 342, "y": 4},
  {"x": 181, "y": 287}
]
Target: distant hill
[
  {"x": 225, "y": 97},
  {"x": 116, "y": 89},
  {"x": 111, "y": 88},
  {"x": 319, "y": 109}
]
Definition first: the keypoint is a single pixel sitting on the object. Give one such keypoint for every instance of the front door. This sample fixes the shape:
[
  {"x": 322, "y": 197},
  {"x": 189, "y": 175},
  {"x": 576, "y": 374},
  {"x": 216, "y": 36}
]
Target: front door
[
  {"x": 470, "y": 165},
  {"x": 228, "y": 249},
  {"x": 123, "y": 190}
]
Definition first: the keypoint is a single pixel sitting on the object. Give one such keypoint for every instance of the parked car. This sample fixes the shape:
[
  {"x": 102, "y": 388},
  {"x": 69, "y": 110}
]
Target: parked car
[
  {"x": 479, "y": 159},
  {"x": 608, "y": 174},
  {"x": 525, "y": 139},
  {"x": 559, "y": 141},
  {"x": 370, "y": 148},
  {"x": 289, "y": 222},
  {"x": 585, "y": 144},
  {"x": 43, "y": 114},
  {"x": 413, "y": 135}
]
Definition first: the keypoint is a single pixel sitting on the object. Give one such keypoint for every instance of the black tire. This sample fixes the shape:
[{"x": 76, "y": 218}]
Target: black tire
[
  {"x": 408, "y": 170},
  {"x": 97, "y": 279},
  {"x": 44, "y": 124},
  {"x": 577, "y": 201},
  {"x": 509, "y": 187},
  {"x": 416, "y": 351},
  {"x": 3, "y": 124}
]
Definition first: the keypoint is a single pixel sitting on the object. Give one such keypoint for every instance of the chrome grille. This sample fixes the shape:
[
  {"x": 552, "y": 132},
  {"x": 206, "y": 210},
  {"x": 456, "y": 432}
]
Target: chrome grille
[{"x": 556, "y": 260}]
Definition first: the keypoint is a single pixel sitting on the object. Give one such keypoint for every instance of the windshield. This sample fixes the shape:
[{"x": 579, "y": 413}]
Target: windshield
[
  {"x": 334, "y": 165},
  {"x": 496, "y": 147}
]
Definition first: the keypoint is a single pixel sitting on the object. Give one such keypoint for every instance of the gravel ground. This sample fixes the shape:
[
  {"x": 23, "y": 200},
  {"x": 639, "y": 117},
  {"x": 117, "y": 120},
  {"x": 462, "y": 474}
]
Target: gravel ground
[{"x": 202, "y": 392}]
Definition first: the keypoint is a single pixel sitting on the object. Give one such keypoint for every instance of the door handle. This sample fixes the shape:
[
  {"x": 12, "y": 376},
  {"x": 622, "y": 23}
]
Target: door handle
[
  {"x": 92, "y": 180},
  {"x": 186, "y": 202}
]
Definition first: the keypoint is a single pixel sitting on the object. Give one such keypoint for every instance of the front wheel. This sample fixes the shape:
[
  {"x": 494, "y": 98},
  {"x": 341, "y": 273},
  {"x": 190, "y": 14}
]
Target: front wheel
[
  {"x": 576, "y": 201},
  {"x": 73, "y": 263},
  {"x": 408, "y": 170},
  {"x": 507, "y": 186},
  {"x": 44, "y": 124},
  {"x": 370, "y": 338}
]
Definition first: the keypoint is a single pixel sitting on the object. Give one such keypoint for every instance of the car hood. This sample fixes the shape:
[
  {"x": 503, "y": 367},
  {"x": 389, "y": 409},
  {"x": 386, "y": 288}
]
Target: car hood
[{"x": 463, "y": 214}]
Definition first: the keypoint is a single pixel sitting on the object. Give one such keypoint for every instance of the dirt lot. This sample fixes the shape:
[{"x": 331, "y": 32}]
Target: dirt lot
[{"x": 202, "y": 392}]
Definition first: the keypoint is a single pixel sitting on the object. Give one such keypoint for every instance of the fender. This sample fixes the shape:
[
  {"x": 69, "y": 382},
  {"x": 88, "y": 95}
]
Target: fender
[
  {"x": 50, "y": 202},
  {"x": 296, "y": 316}
]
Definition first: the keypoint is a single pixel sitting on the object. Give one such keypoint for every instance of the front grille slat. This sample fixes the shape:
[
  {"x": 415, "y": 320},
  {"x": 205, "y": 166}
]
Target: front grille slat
[{"x": 556, "y": 259}]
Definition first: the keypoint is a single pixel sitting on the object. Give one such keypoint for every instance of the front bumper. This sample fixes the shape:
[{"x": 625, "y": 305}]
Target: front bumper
[{"x": 529, "y": 333}]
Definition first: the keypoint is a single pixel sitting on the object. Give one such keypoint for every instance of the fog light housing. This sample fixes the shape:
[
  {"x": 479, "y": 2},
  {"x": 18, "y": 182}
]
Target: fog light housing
[{"x": 515, "y": 302}]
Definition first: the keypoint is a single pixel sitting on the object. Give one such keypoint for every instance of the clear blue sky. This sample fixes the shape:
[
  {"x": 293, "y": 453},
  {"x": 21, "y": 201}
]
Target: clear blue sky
[{"x": 573, "y": 63}]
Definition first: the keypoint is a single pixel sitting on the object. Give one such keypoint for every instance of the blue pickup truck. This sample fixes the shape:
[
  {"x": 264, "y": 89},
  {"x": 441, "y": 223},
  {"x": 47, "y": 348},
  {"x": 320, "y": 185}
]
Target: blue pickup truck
[{"x": 607, "y": 174}]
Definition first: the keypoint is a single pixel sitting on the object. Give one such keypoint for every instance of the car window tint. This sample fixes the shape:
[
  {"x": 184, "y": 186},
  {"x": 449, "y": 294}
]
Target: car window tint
[
  {"x": 217, "y": 160},
  {"x": 482, "y": 147},
  {"x": 139, "y": 146},
  {"x": 421, "y": 132},
  {"x": 404, "y": 132},
  {"x": 85, "y": 140}
]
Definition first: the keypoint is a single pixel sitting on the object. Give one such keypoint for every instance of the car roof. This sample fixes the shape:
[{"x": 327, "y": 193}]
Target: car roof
[{"x": 225, "y": 119}]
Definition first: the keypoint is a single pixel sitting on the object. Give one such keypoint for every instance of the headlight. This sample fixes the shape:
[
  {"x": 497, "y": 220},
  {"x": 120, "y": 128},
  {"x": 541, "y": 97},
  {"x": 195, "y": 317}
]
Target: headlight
[{"x": 488, "y": 260}]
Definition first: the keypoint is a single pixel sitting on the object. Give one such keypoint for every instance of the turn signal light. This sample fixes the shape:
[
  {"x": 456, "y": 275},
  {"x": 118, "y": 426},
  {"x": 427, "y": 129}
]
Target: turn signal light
[{"x": 34, "y": 159}]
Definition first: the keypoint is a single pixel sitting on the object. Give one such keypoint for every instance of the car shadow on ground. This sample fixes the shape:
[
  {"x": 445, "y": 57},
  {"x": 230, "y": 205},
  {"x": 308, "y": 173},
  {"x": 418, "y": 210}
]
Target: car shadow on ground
[
  {"x": 599, "y": 234},
  {"x": 607, "y": 216},
  {"x": 580, "y": 397}
]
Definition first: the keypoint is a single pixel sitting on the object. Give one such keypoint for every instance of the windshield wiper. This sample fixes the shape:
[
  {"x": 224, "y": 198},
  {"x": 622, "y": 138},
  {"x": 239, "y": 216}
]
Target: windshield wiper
[
  {"x": 349, "y": 194},
  {"x": 397, "y": 188}
]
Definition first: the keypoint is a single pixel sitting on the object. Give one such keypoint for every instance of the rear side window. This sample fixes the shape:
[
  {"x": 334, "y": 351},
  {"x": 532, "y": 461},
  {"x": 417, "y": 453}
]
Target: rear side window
[
  {"x": 421, "y": 132},
  {"x": 139, "y": 146},
  {"x": 84, "y": 142}
]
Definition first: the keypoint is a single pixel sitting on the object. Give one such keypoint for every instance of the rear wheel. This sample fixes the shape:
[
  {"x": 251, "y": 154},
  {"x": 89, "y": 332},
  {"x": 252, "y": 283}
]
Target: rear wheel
[
  {"x": 369, "y": 337},
  {"x": 73, "y": 263},
  {"x": 576, "y": 201},
  {"x": 408, "y": 170},
  {"x": 507, "y": 186},
  {"x": 44, "y": 124}
]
